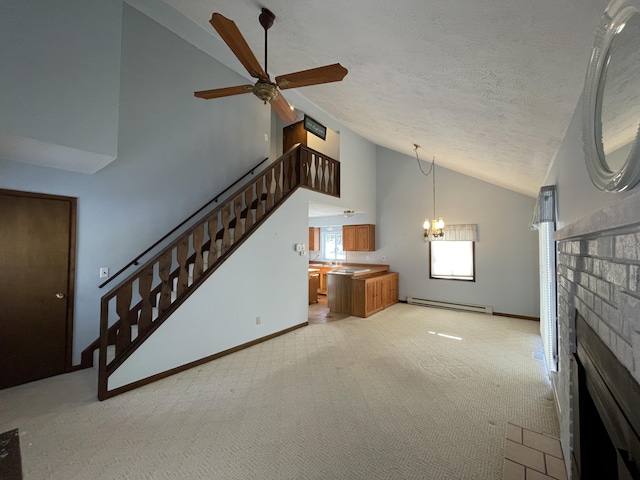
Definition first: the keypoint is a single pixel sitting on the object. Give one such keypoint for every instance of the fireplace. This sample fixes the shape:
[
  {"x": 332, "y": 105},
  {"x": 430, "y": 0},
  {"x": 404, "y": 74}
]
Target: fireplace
[{"x": 606, "y": 411}]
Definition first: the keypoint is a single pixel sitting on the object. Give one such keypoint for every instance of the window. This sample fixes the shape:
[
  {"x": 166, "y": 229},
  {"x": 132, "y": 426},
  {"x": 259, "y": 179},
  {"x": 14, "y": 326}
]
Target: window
[
  {"x": 452, "y": 260},
  {"x": 332, "y": 246}
]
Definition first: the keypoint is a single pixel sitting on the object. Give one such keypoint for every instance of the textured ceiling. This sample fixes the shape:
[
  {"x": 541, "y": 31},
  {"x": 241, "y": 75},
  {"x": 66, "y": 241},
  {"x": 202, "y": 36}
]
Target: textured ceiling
[{"x": 487, "y": 86}]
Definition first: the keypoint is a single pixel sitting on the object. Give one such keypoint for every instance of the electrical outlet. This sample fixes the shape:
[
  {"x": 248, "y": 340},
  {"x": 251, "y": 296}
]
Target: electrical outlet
[
  {"x": 258, "y": 320},
  {"x": 104, "y": 272},
  {"x": 383, "y": 258},
  {"x": 266, "y": 137}
]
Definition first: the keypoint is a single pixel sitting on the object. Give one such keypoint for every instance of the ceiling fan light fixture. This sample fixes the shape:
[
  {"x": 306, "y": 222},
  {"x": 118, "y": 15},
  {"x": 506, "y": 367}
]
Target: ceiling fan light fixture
[{"x": 265, "y": 91}]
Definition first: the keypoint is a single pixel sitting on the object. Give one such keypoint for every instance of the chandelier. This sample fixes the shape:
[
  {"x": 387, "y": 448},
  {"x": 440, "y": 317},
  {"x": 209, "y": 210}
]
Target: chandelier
[{"x": 433, "y": 228}]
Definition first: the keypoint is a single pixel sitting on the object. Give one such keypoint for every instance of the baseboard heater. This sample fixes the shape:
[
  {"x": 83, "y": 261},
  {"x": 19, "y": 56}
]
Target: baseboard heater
[{"x": 451, "y": 305}]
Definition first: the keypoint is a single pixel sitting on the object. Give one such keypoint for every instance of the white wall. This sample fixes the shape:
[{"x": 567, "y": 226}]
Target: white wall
[
  {"x": 506, "y": 251},
  {"x": 265, "y": 278}
]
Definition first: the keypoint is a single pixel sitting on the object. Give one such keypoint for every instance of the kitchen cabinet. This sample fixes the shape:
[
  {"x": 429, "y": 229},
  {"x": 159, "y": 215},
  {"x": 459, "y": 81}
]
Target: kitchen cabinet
[
  {"x": 359, "y": 238},
  {"x": 374, "y": 293},
  {"x": 314, "y": 238},
  {"x": 390, "y": 289}
]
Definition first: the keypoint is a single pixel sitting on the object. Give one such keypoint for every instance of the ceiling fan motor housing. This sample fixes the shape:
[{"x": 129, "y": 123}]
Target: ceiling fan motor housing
[{"x": 265, "y": 91}]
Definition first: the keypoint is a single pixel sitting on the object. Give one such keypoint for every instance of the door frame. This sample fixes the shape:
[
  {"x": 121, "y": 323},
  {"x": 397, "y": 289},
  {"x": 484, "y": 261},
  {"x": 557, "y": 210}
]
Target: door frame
[{"x": 73, "y": 204}]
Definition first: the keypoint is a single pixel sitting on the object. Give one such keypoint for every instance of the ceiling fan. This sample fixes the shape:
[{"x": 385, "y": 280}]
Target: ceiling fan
[{"x": 264, "y": 88}]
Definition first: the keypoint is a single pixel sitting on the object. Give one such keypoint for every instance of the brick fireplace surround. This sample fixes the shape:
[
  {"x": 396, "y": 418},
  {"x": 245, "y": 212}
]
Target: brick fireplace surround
[{"x": 598, "y": 268}]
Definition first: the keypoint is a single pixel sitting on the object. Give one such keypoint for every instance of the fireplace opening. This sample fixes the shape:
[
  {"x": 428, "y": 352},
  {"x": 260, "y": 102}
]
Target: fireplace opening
[{"x": 606, "y": 412}]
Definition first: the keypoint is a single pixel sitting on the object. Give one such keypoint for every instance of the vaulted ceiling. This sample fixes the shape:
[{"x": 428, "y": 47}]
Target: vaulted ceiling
[{"x": 488, "y": 87}]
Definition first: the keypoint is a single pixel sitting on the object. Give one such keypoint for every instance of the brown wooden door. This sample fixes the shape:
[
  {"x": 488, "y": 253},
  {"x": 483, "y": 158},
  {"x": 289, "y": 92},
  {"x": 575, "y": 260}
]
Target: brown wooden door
[
  {"x": 37, "y": 246},
  {"x": 292, "y": 135}
]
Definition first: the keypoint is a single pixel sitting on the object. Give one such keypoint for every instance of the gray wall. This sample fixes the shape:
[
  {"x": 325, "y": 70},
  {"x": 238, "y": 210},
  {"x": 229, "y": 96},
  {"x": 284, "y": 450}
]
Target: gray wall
[
  {"x": 60, "y": 74},
  {"x": 577, "y": 197},
  {"x": 506, "y": 251},
  {"x": 174, "y": 153}
]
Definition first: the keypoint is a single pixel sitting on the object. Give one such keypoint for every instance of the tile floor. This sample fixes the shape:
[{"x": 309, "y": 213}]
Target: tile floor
[
  {"x": 319, "y": 312},
  {"x": 532, "y": 456}
]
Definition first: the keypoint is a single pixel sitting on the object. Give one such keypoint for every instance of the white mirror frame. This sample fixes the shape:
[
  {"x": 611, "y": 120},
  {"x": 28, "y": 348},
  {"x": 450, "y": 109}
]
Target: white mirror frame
[{"x": 601, "y": 175}]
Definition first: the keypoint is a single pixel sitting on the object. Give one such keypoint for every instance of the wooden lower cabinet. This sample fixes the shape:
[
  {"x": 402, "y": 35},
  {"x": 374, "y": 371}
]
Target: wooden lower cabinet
[{"x": 374, "y": 293}]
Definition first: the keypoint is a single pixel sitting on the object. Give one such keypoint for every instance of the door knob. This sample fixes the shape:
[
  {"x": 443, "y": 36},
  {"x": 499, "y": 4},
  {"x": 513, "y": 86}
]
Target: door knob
[{"x": 59, "y": 295}]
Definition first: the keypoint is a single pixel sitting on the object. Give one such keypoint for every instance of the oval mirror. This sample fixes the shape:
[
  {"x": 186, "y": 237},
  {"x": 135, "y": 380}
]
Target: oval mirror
[{"x": 611, "y": 114}]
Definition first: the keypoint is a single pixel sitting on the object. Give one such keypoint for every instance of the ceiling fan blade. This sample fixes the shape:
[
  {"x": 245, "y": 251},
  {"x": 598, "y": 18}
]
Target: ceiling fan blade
[
  {"x": 283, "y": 109},
  {"x": 229, "y": 32},
  {"x": 314, "y": 76},
  {"x": 223, "y": 92}
]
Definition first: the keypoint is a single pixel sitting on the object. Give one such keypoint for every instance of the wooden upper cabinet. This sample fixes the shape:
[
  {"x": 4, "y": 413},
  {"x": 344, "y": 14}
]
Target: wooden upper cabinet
[
  {"x": 314, "y": 238},
  {"x": 359, "y": 238}
]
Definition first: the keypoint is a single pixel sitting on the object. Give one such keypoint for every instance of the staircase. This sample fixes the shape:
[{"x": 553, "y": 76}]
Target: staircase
[{"x": 135, "y": 308}]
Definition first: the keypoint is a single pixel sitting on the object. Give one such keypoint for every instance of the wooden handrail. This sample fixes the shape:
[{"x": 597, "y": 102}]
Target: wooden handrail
[
  {"x": 182, "y": 224},
  {"x": 151, "y": 293}
]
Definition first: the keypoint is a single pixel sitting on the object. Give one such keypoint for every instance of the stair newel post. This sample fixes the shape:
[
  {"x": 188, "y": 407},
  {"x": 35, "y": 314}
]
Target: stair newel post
[
  {"x": 183, "y": 269},
  {"x": 226, "y": 238},
  {"x": 123, "y": 305},
  {"x": 145, "y": 281},
  {"x": 104, "y": 345},
  {"x": 238, "y": 231},
  {"x": 164, "y": 272},
  {"x": 248, "y": 201},
  {"x": 212, "y": 225},
  {"x": 198, "y": 237}
]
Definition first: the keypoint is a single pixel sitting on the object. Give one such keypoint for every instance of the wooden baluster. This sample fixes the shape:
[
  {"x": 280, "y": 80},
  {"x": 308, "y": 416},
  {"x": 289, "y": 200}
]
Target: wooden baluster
[
  {"x": 336, "y": 179},
  {"x": 270, "y": 187},
  {"x": 316, "y": 170},
  {"x": 248, "y": 201},
  {"x": 331, "y": 179},
  {"x": 237, "y": 210},
  {"x": 226, "y": 239},
  {"x": 326, "y": 176},
  {"x": 309, "y": 169},
  {"x": 123, "y": 305},
  {"x": 144, "y": 288},
  {"x": 183, "y": 268},
  {"x": 198, "y": 236},
  {"x": 259, "y": 194},
  {"x": 278, "y": 192},
  {"x": 164, "y": 271},
  {"x": 212, "y": 224}
]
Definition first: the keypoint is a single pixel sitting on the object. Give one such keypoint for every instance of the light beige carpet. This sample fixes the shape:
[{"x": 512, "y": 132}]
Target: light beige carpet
[{"x": 378, "y": 398}]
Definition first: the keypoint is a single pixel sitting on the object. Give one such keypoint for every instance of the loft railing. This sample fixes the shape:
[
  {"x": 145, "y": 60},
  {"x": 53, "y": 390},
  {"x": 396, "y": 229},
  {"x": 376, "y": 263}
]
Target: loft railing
[{"x": 135, "y": 308}]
